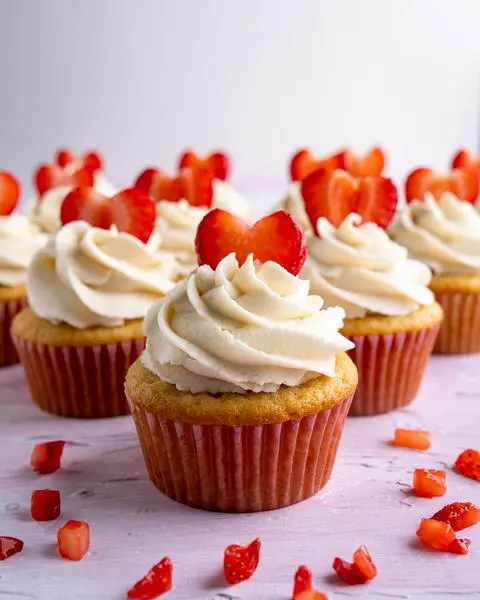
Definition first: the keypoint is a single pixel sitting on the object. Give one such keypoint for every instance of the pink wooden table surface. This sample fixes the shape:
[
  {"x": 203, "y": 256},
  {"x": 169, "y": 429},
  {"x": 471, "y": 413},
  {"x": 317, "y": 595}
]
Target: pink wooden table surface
[{"x": 132, "y": 525}]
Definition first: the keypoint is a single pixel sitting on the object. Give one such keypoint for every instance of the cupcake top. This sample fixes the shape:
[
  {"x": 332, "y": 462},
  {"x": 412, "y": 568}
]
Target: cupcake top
[
  {"x": 443, "y": 234},
  {"x": 87, "y": 277}
]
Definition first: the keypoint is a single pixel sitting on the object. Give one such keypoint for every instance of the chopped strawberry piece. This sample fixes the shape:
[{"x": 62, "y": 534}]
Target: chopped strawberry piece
[
  {"x": 216, "y": 162},
  {"x": 302, "y": 581},
  {"x": 468, "y": 464},
  {"x": 362, "y": 570},
  {"x": 49, "y": 176},
  {"x": 9, "y": 546},
  {"x": 441, "y": 536},
  {"x": 304, "y": 162},
  {"x": 372, "y": 164},
  {"x": 193, "y": 185},
  {"x": 311, "y": 595},
  {"x": 334, "y": 194},
  {"x": 277, "y": 237},
  {"x": 45, "y": 505},
  {"x": 46, "y": 457},
  {"x": 429, "y": 483},
  {"x": 131, "y": 211},
  {"x": 156, "y": 582},
  {"x": 364, "y": 563},
  {"x": 9, "y": 193},
  {"x": 461, "y": 182},
  {"x": 459, "y": 515},
  {"x": 412, "y": 438},
  {"x": 73, "y": 540},
  {"x": 241, "y": 562},
  {"x": 348, "y": 572}
]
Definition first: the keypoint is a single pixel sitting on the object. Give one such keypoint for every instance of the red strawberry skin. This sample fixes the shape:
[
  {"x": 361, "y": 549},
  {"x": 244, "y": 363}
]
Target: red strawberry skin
[
  {"x": 241, "y": 562},
  {"x": 46, "y": 457},
  {"x": 157, "y": 581},
  {"x": 45, "y": 505},
  {"x": 277, "y": 238},
  {"x": 468, "y": 464},
  {"x": 459, "y": 515},
  {"x": 9, "y": 193},
  {"x": 49, "y": 176}
]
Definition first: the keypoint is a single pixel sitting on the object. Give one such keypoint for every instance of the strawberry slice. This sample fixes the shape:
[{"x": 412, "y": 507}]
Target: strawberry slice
[
  {"x": 193, "y": 185},
  {"x": 377, "y": 200},
  {"x": 429, "y": 483},
  {"x": 93, "y": 160},
  {"x": 464, "y": 159},
  {"x": 362, "y": 569},
  {"x": 45, "y": 505},
  {"x": 461, "y": 182},
  {"x": 304, "y": 162},
  {"x": 441, "y": 536},
  {"x": 372, "y": 164},
  {"x": 412, "y": 438},
  {"x": 302, "y": 581},
  {"x": 459, "y": 515},
  {"x": 9, "y": 193},
  {"x": 217, "y": 163},
  {"x": 132, "y": 210},
  {"x": 157, "y": 581},
  {"x": 277, "y": 237},
  {"x": 468, "y": 464},
  {"x": 49, "y": 176},
  {"x": 73, "y": 540},
  {"x": 9, "y": 546},
  {"x": 241, "y": 562},
  {"x": 64, "y": 157},
  {"x": 46, "y": 457}
]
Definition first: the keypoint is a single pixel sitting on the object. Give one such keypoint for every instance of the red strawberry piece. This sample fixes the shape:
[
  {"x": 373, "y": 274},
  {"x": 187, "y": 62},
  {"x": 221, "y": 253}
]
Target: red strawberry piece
[
  {"x": 9, "y": 193},
  {"x": 46, "y": 457},
  {"x": 9, "y": 546},
  {"x": 441, "y": 536},
  {"x": 146, "y": 178},
  {"x": 45, "y": 505},
  {"x": 73, "y": 540},
  {"x": 429, "y": 483},
  {"x": 364, "y": 563},
  {"x": 132, "y": 210},
  {"x": 377, "y": 200},
  {"x": 412, "y": 438},
  {"x": 372, "y": 164},
  {"x": 304, "y": 162},
  {"x": 241, "y": 562},
  {"x": 216, "y": 162},
  {"x": 348, "y": 572},
  {"x": 64, "y": 157},
  {"x": 463, "y": 159},
  {"x": 49, "y": 176},
  {"x": 156, "y": 582},
  {"x": 277, "y": 237},
  {"x": 193, "y": 185},
  {"x": 302, "y": 581},
  {"x": 90, "y": 159},
  {"x": 468, "y": 464},
  {"x": 459, "y": 515},
  {"x": 93, "y": 160},
  {"x": 461, "y": 182},
  {"x": 460, "y": 546}
]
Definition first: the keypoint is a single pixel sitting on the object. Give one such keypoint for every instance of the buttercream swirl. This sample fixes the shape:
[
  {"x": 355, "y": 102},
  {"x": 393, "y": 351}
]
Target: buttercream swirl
[
  {"x": 226, "y": 197},
  {"x": 293, "y": 204},
  {"x": 89, "y": 277},
  {"x": 237, "y": 329},
  {"x": 360, "y": 269},
  {"x": 19, "y": 241},
  {"x": 445, "y": 235}
]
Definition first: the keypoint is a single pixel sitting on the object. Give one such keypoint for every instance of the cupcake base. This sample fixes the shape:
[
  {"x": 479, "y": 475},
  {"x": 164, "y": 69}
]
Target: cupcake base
[{"x": 12, "y": 301}]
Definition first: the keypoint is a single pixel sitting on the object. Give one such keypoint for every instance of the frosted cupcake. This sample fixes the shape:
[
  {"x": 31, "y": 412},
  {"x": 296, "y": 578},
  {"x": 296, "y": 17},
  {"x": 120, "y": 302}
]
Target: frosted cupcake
[
  {"x": 19, "y": 241},
  {"x": 54, "y": 181},
  {"x": 88, "y": 290},
  {"x": 391, "y": 315},
  {"x": 241, "y": 395}
]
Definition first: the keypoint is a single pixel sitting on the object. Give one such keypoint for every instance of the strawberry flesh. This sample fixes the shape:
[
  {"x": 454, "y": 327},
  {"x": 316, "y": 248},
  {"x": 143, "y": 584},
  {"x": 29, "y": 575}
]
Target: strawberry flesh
[
  {"x": 441, "y": 536},
  {"x": 459, "y": 515},
  {"x": 157, "y": 581},
  {"x": 411, "y": 438},
  {"x": 9, "y": 546},
  {"x": 217, "y": 163},
  {"x": 46, "y": 457},
  {"x": 464, "y": 159},
  {"x": 241, "y": 562},
  {"x": 73, "y": 540},
  {"x": 348, "y": 572},
  {"x": 9, "y": 193},
  {"x": 364, "y": 563},
  {"x": 362, "y": 570},
  {"x": 310, "y": 595},
  {"x": 429, "y": 483},
  {"x": 468, "y": 464},
  {"x": 45, "y": 505}
]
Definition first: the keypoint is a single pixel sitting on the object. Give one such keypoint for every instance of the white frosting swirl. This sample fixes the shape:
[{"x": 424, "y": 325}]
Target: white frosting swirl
[
  {"x": 238, "y": 329},
  {"x": 293, "y": 204},
  {"x": 89, "y": 277},
  {"x": 226, "y": 197},
  {"x": 360, "y": 269},
  {"x": 445, "y": 235},
  {"x": 19, "y": 241}
]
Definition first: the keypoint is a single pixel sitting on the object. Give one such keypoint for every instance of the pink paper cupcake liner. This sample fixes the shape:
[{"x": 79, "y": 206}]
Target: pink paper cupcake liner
[
  {"x": 8, "y": 351},
  {"x": 460, "y": 332},
  {"x": 79, "y": 382},
  {"x": 240, "y": 469},
  {"x": 390, "y": 369}
]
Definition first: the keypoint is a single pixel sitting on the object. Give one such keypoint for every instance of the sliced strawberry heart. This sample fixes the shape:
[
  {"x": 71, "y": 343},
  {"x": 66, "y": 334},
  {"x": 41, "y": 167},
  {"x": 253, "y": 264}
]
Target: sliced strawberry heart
[
  {"x": 277, "y": 237},
  {"x": 131, "y": 211},
  {"x": 46, "y": 457},
  {"x": 464, "y": 159},
  {"x": 372, "y": 164},
  {"x": 376, "y": 200},
  {"x": 304, "y": 162},
  {"x": 468, "y": 464},
  {"x": 91, "y": 159},
  {"x": 429, "y": 483},
  {"x": 459, "y": 515},
  {"x": 241, "y": 562},
  {"x": 49, "y": 176},
  {"x": 411, "y": 438},
  {"x": 193, "y": 185},
  {"x": 216, "y": 162},
  {"x": 9, "y": 546},
  {"x": 461, "y": 182},
  {"x": 73, "y": 540},
  {"x": 45, "y": 505},
  {"x": 441, "y": 536},
  {"x": 9, "y": 193},
  {"x": 156, "y": 582},
  {"x": 302, "y": 581}
]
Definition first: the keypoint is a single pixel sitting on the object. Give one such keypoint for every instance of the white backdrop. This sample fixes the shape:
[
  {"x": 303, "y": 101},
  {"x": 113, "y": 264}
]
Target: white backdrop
[{"x": 140, "y": 79}]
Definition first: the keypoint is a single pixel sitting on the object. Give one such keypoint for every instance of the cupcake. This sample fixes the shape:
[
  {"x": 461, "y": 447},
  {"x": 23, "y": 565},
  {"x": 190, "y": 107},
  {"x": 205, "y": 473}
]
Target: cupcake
[
  {"x": 54, "y": 181},
  {"x": 391, "y": 315},
  {"x": 443, "y": 231},
  {"x": 241, "y": 394},
  {"x": 19, "y": 241},
  {"x": 89, "y": 290},
  {"x": 304, "y": 162}
]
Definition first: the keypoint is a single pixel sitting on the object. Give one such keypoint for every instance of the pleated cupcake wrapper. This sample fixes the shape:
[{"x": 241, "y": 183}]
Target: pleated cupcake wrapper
[
  {"x": 8, "y": 352},
  {"x": 460, "y": 332},
  {"x": 390, "y": 369},
  {"x": 79, "y": 382},
  {"x": 240, "y": 469}
]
